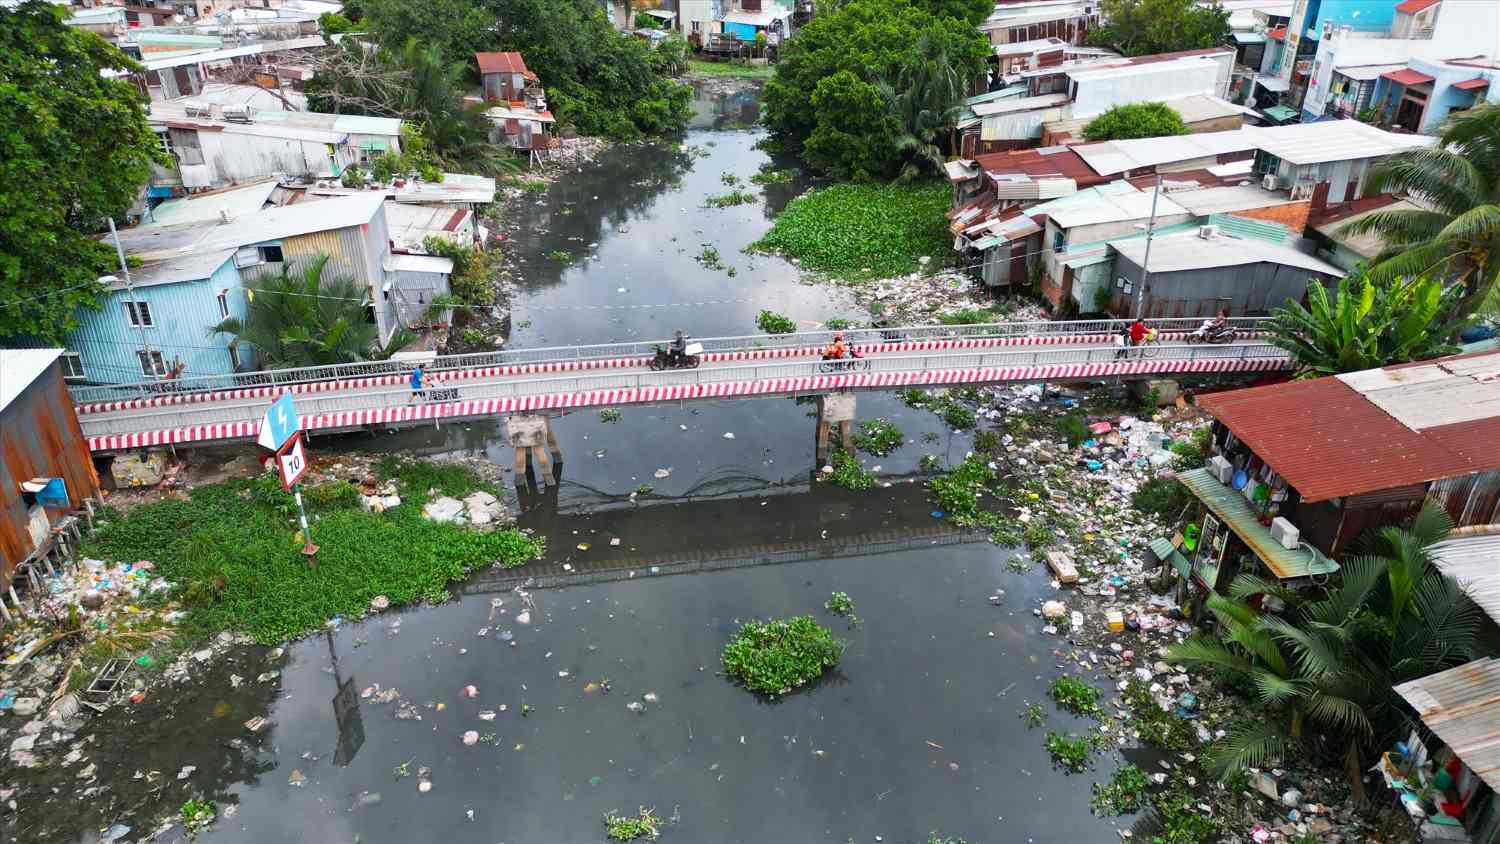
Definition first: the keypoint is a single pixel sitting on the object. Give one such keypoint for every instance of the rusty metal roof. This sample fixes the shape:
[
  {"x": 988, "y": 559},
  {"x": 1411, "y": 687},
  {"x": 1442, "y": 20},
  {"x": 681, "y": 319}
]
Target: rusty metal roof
[
  {"x": 1329, "y": 440},
  {"x": 500, "y": 62},
  {"x": 1474, "y": 561},
  {"x": 1462, "y": 705}
]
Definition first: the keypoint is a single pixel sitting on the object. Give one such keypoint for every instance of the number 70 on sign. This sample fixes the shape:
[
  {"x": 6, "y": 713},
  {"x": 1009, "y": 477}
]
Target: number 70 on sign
[{"x": 291, "y": 461}]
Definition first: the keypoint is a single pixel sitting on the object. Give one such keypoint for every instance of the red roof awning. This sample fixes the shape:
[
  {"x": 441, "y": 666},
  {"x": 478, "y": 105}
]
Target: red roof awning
[
  {"x": 500, "y": 62},
  {"x": 1406, "y": 76},
  {"x": 1472, "y": 84},
  {"x": 1411, "y": 7},
  {"x": 1277, "y": 33}
]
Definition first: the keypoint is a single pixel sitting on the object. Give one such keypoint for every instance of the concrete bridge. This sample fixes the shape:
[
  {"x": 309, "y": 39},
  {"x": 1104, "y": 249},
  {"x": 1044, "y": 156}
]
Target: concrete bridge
[{"x": 533, "y": 382}]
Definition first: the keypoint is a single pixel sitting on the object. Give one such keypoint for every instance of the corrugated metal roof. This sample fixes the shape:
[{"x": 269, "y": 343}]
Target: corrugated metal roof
[
  {"x": 417, "y": 264},
  {"x": 1474, "y": 561},
  {"x": 1462, "y": 705},
  {"x": 1364, "y": 73},
  {"x": 1292, "y": 427},
  {"x": 1217, "y": 200},
  {"x": 20, "y": 367},
  {"x": 171, "y": 270},
  {"x": 1472, "y": 84},
  {"x": 1406, "y": 76},
  {"x": 500, "y": 62},
  {"x": 1429, "y": 395},
  {"x": 1230, "y": 506},
  {"x": 1114, "y": 208},
  {"x": 1244, "y": 227},
  {"x": 1411, "y": 7},
  {"x": 1190, "y": 252},
  {"x": 1011, "y": 106},
  {"x": 1332, "y": 140},
  {"x": 236, "y": 202}
]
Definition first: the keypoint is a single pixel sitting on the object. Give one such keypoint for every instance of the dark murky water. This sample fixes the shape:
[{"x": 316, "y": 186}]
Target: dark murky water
[{"x": 848, "y": 760}]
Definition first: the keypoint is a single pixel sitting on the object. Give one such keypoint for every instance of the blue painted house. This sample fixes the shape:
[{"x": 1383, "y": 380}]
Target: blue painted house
[
  {"x": 1422, "y": 95},
  {"x": 193, "y": 273}
]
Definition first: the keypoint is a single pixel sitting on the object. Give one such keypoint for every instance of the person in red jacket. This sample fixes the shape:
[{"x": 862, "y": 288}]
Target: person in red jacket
[{"x": 1137, "y": 332}]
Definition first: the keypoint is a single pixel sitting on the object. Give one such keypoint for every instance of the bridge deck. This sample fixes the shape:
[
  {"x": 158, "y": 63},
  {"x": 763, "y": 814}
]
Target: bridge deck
[{"x": 487, "y": 391}]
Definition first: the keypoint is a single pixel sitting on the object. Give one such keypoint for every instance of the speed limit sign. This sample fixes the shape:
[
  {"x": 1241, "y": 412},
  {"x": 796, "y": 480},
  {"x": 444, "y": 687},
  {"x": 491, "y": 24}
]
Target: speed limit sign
[{"x": 291, "y": 461}]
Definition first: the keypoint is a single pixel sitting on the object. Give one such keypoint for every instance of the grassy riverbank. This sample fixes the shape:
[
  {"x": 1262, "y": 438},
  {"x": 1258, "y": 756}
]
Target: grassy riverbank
[
  {"x": 855, "y": 232},
  {"x": 233, "y": 554},
  {"x": 743, "y": 71}
]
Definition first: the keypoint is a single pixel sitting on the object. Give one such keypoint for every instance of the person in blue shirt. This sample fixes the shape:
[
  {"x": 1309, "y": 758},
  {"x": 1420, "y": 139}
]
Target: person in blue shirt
[{"x": 418, "y": 384}]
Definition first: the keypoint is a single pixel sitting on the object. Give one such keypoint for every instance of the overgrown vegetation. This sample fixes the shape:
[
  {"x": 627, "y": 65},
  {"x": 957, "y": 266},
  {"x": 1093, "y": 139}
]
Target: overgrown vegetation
[
  {"x": 968, "y": 316},
  {"x": 1124, "y": 794},
  {"x": 773, "y": 323},
  {"x": 197, "y": 815},
  {"x": 708, "y": 256},
  {"x": 419, "y": 478},
  {"x": 856, "y": 232},
  {"x": 1161, "y": 498},
  {"x": 474, "y": 269},
  {"x": 778, "y": 655},
  {"x": 643, "y": 824},
  {"x": 769, "y": 175},
  {"x": 233, "y": 552},
  {"x": 1146, "y": 27},
  {"x": 1073, "y": 429},
  {"x": 959, "y": 490},
  {"x": 879, "y": 437},
  {"x": 731, "y": 199},
  {"x": 1135, "y": 120},
  {"x": 848, "y": 473},
  {"x": 1073, "y": 754},
  {"x": 1158, "y": 727},
  {"x": 841, "y": 605},
  {"x": 957, "y": 416},
  {"x": 1033, "y": 715},
  {"x": 1076, "y": 696},
  {"x": 729, "y": 68}
]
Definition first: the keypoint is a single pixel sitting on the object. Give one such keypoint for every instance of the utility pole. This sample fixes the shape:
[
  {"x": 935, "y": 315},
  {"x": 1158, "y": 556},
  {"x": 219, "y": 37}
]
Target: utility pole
[
  {"x": 134, "y": 305},
  {"x": 1140, "y": 293}
]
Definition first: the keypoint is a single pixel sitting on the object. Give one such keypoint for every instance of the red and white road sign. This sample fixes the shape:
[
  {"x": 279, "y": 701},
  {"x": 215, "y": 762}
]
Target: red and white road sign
[{"x": 291, "y": 461}]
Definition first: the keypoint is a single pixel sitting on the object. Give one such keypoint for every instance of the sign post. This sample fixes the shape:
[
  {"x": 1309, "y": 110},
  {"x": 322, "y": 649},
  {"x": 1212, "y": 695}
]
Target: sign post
[{"x": 280, "y": 433}]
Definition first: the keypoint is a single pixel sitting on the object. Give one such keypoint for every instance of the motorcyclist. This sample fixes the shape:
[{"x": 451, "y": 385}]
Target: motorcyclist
[
  {"x": 836, "y": 348},
  {"x": 1220, "y": 322},
  {"x": 677, "y": 349}
]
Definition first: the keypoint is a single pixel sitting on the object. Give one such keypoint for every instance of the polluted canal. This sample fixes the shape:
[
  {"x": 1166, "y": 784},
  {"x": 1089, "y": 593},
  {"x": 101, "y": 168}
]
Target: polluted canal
[{"x": 527, "y": 715}]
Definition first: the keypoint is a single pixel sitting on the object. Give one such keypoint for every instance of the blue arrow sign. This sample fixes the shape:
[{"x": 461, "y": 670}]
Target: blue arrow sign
[{"x": 280, "y": 423}]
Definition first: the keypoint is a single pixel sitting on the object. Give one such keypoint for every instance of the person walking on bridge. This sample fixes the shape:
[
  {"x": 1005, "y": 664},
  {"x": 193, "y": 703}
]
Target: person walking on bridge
[{"x": 418, "y": 385}]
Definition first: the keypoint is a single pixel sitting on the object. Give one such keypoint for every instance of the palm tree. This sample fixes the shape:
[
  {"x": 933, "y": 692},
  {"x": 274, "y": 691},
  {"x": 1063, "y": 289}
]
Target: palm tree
[
  {"x": 1457, "y": 235},
  {"x": 296, "y": 319},
  {"x": 926, "y": 106},
  {"x": 1392, "y": 617},
  {"x": 1369, "y": 324}
]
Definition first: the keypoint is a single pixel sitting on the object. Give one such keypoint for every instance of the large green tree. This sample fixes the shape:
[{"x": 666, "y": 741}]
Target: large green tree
[
  {"x": 596, "y": 79},
  {"x": 1144, "y": 27},
  {"x": 1135, "y": 120},
  {"x": 873, "y": 42},
  {"x": 1456, "y": 236},
  {"x": 298, "y": 319},
  {"x": 77, "y": 149},
  {"x": 1368, "y": 324}
]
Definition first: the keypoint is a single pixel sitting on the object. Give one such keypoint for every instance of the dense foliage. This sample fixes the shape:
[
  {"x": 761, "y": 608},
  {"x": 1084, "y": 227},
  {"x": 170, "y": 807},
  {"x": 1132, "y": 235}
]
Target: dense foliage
[
  {"x": 418, "y": 83},
  {"x": 854, "y": 232},
  {"x": 866, "y": 90},
  {"x": 473, "y": 278},
  {"x": 298, "y": 318},
  {"x": 778, "y": 655},
  {"x": 879, "y": 437},
  {"x": 1370, "y": 323},
  {"x": 596, "y": 79},
  {"x": 1135, "y": 120},
  {"x": 1456, "y": 236},
  {"x": 77, "y": 150},
  {"x": 1144, "y": 27},
  {"x": 232, "y": 550}
]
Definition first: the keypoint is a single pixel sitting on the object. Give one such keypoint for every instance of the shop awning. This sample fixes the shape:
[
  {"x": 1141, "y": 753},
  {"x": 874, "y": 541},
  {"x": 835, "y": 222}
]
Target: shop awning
[
  {"x": 1230, "y": 506},
  {"x": 1472, "y": 84},
  {"x": 1281, "y": 113},
  {"x": 1249, "y": 38},
  {"x": 1274, "y": 84},
  {"x": 1406, "y": 76}
]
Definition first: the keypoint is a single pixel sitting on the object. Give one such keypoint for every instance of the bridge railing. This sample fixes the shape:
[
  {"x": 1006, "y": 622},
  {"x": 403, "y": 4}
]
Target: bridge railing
[
  {"x": 88, "y": 394},
  {"x": 621, "y": 379}
]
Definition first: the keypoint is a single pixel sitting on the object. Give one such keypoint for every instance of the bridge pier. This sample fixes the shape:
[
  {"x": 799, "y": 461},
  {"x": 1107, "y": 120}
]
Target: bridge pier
[
  {"x": 531, "y": 436},
  {"x": 835, "y": 409}
]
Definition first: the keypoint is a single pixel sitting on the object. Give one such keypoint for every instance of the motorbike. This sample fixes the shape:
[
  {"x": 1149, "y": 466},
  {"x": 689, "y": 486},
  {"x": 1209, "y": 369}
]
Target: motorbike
[
  {"x": 1209, "y": 333},
  {"x": 691, "y": 357}
]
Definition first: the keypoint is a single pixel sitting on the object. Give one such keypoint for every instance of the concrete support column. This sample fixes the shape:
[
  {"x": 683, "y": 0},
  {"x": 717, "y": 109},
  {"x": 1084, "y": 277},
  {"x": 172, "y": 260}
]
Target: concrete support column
[
  {"x": 835, "y": 409},
  {"x": 532, "y": 437}
]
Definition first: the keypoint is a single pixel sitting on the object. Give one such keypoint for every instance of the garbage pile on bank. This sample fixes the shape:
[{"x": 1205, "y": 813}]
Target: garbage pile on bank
[
  {"x": 1107, "y": 612},
  {"x": 922, "y": 298}
]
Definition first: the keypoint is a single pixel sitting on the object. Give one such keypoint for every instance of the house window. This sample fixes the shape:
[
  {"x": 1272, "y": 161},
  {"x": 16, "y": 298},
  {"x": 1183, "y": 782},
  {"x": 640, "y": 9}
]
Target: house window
[
  {"x": 138, "y": 314},
  {"x": 72, "y": 367},
  {"x": 1059, "y": 241},
  {"x": 1124, "y": 284},
  {"x": 152, "y": 364},
  {"x": 271, "y": 254},
  {"x": 185, "y": 141},
  {"x": 234, "y": 357},
  {"x": 223, "y": 304},
  {"x": 697, "y": 27}
]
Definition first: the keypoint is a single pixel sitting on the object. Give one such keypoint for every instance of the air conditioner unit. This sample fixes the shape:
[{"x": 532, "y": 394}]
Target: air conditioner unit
[
  {"x": 239, "y": 112},
  {"x": 1285, "y": 533},
  {"x": 196, "y": 108},
  {"x": 1208, "y": 232},
  {"x": 1271, "y": 181},
  {"x": 1221, "y": 468}
]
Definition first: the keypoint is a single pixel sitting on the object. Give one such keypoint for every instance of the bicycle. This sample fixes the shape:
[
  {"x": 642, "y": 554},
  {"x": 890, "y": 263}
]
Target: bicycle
[{"x": 1150, "y": 346}]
